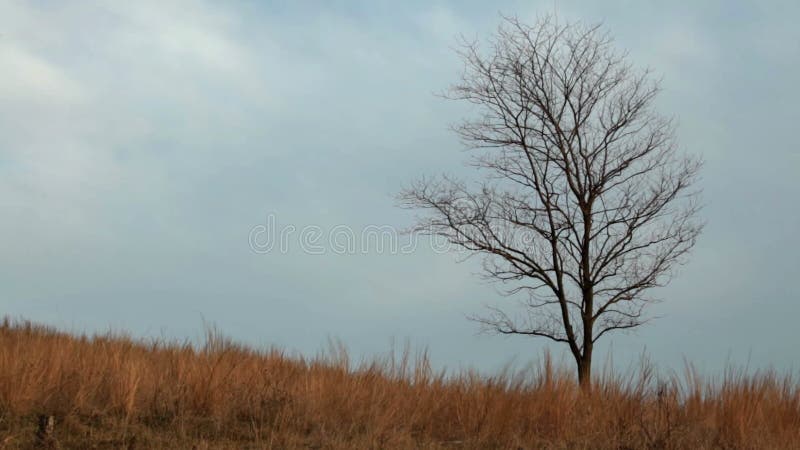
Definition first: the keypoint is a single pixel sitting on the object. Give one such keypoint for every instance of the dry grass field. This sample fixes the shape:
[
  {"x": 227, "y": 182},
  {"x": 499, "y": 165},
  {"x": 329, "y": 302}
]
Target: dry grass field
[{"x": 111, "y": 391}]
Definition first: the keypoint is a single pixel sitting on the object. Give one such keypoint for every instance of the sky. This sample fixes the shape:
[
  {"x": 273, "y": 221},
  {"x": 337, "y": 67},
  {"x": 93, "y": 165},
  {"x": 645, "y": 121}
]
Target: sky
[{"x": 145, "y": 145}]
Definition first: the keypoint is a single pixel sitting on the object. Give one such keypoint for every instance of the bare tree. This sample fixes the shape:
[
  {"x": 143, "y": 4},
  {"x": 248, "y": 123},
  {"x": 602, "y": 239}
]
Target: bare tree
[{"x": 586, "y": 203}]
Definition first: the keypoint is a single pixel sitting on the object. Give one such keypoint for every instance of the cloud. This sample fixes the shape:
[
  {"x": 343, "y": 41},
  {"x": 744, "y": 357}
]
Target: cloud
[
  {"x": 183, "y": 37},
  {"x": 29, "y": 78},
  {"x": 141, "y": 141}
]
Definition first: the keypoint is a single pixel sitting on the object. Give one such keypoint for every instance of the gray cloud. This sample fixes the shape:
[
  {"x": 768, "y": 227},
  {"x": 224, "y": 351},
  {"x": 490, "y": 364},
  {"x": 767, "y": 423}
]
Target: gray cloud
[{"x": 139, "y": 144}]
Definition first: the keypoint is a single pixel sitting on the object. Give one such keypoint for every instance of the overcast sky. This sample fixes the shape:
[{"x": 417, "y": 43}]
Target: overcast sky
[{"x": 141, "y": 143}]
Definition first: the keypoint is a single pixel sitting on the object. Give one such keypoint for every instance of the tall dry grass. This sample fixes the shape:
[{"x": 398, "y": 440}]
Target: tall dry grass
[{"x": 112, "y": 391}]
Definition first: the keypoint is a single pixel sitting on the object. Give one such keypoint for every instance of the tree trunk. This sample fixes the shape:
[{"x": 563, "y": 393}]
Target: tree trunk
[{"x": 585, "y": 370}]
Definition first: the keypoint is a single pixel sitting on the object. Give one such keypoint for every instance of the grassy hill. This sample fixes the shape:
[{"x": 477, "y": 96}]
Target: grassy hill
[{"x": 112, "y": 391}]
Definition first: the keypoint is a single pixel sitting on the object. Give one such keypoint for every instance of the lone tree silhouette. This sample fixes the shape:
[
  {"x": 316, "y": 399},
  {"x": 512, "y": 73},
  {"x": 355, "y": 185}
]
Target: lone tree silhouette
[{"x": 585, "y": 205}]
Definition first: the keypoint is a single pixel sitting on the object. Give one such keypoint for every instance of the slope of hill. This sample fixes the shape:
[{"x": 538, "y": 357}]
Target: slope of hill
[{"x": 112, "y": 391}]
